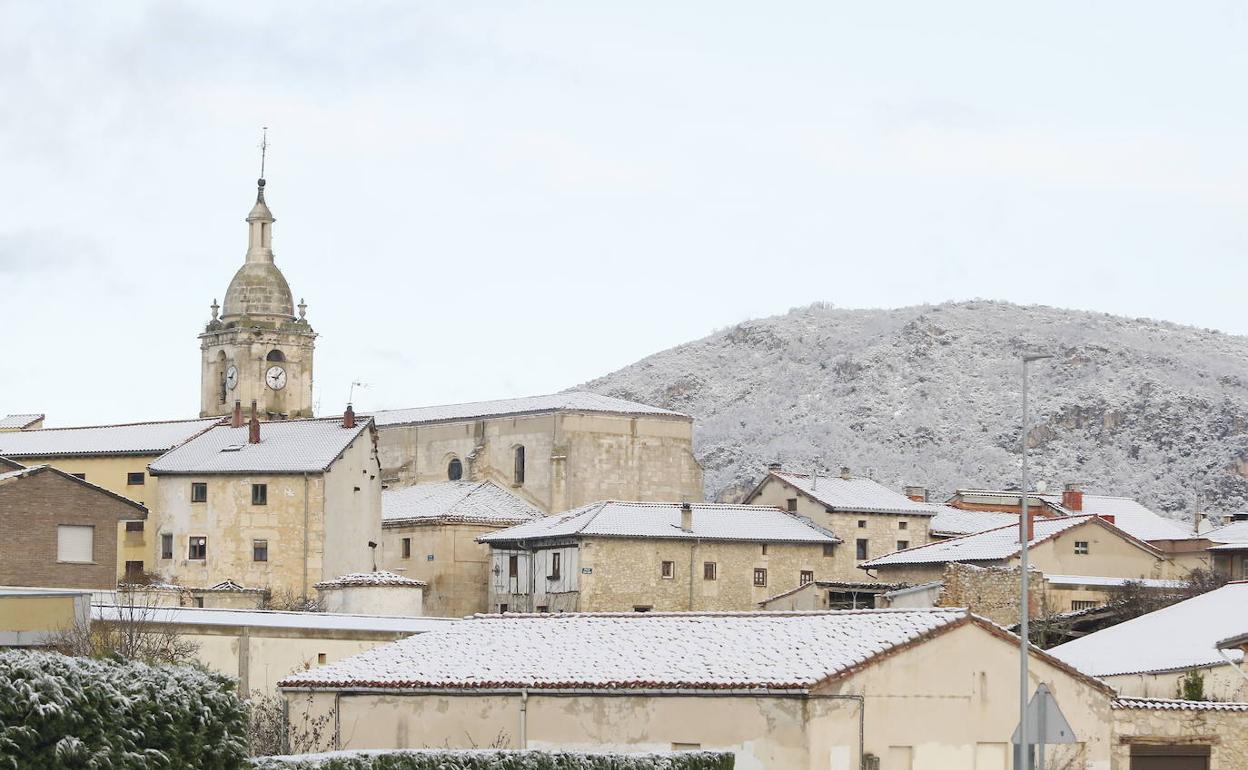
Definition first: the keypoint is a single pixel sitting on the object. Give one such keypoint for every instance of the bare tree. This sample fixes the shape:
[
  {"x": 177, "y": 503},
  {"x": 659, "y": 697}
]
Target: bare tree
[
  {"x": 130, "y": 630},
  {"x": 271, "y": 730},
  {"x": 287, "y": 599}
]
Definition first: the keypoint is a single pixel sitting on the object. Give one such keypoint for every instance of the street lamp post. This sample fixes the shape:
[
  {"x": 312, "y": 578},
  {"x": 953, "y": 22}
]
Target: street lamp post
[{"x": 1024, "y": 751}]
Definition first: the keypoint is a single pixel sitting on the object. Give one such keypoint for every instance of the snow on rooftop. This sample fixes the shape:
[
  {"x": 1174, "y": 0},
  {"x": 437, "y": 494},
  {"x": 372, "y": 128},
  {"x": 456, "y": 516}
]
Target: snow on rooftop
[
  {"x": 711, "y": 521},
  {"x": 321, "y": 621},
  {"x": 1168, "y": 704},
  {"x": 991, "y": 545},
  {"x": 478, "y": 502},
  {"x": 950, "y": 521},
  {"x": 635, "y": 650},
  {"x": 1180, "y": 636},
  {"x": 378, "y": 578},
  {"x": 1235, "y": 532},
  {"x": 857, "y": 494},
  {"x": 18, "y": 421},
  {"x": 1095, "y": 580},
  {"x": 572, "y": 401},
  {"x": 286, "y": 446},
  {"x": 1129, "y": 516},
  {"x": 136, "y": 439}
]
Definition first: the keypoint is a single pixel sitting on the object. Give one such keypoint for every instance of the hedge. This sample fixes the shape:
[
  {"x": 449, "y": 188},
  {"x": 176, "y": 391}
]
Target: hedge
[
  {"x": 83, "y": 714},
  {"x": 500, "y": 759}
]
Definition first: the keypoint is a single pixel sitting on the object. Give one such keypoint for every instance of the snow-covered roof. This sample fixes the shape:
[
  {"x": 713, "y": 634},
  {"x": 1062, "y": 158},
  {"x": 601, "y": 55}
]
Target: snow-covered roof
[
  {"x": 1240, "y": 546},
  {"x": 951, "y": 522},
  {"x": 774, "y": 650},
  {"x": 320, "y": 621},
  {"x": 1106, "y": 582},
  {"x": 229, "y": 586},
  {"x": 140, "y": 438},
  {"x": 26, "y": 472},
  {"x": 1235, "y": 532},
  {"x": 823, "y": 585},
  {"x": 378, "y": 578},
  {"x": 856, "y": 494},
  {"x": 711, "y": 521},
  {"x": 1180, "y": 636},
  {"x": 286, "y": 446},
  {"x": 18, "y": 421},
  {"x": 1129, "y": 516},
  {"x": 474, "y": 502},
  {"x": 571, "y": 401},
  {"x": 1167, "y": 704}
]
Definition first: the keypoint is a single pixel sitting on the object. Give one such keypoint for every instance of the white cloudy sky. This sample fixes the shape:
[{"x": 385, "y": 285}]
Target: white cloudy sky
[{"x": 482, "y": 200}]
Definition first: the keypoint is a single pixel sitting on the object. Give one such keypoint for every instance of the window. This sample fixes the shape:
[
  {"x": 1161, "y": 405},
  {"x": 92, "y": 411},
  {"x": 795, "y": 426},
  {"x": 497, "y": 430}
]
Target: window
[
  {"x": 513, "y": 566},
  {"x": 642, "y": 607},
  {"x": 166, "y": 546},
  {"x": 136, "y": 479},
  {"x": 197, "y": 548},
  {"x": 668, "y": 569},
  {"x": 829, "y": 549},
  {"x": 320, "y": 659},
  {"x": 862, "y": 524},
  {"x": 503, "y": 607},
  {"x": 686, "y": 747},
  {"x": 806, "y": 576},
  {"x": 543, "y": 608},
  {"x": 134, "y": 571},
  {"x": 764, "y": 549},
  {"x": 708, "y": 570},
  {"x": 760, "y": 576},
  {"x": 134, "y": 526},
  {"x": 275, "y": 355},
  {"x": 906, "y": 525},
  {"x": 862, "y": 549},
  {"x": 1081, "y": 547},
  {"x": 199, "y": 491},
  {"x": 1078, "y": 604},
  {"x": 75, "y": 544},
  {"x": 519, "y": 475},
  {"x": 407, "y": 548},
  {"x": 454, "y": 469},
  {"x": 791, "y": 505},
  {"x": 82, "y": 476},
  {"x": 903, "y": 545},
  {"x": 555, "y": 559},
  {"x": 199, "y": 601},
  {"x": 259, "y": 550},
  {"x": 259, "y": 494}
]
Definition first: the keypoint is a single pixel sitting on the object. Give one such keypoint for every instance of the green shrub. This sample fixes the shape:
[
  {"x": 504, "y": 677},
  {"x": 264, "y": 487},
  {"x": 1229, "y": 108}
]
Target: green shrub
[
  {"x": 439, "y": 759},
  {"x": 60, "y": 712}
]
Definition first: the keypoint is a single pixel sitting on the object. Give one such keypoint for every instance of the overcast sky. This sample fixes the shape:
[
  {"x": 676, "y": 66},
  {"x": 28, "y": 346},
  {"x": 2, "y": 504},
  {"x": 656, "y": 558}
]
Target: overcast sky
[{"x": 486, "y": 200}]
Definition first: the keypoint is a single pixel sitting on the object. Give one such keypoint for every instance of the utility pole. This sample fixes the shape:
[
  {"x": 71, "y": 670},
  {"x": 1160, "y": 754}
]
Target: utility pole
[{"x": 1024, "y": 750}]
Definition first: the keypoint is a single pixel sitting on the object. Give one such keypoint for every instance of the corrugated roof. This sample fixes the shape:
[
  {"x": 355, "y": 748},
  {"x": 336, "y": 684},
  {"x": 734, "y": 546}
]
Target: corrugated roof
[
  {"x": 856, "y": 494},
  {"x": 953, "y": 522},
  {"x": 992, "y": 545},
  {"x": 572, "y": 401},
  {"x": 474, "y": 502},
  {"x": 18, "y": 421},
  {"x": 286, "y": 446},
  {"x": 140, "y": 438},
  {"x": 320, "y": 621},
  {"x": 1183, "y": 635},
  {"x": 711, "y": 521},
  {"x": 1167, "y": 704},
  {"x": 775, "y": 650}
]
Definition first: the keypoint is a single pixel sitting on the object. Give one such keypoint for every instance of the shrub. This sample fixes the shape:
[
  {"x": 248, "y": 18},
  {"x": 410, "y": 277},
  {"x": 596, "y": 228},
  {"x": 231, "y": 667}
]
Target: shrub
[
  {"x": 440, "y": 759},
  {"x": 60, "y": 712}
]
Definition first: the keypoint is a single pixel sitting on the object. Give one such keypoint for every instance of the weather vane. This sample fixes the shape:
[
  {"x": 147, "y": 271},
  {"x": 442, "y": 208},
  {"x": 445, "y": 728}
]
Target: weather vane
[{"x": 264, "y": 147}]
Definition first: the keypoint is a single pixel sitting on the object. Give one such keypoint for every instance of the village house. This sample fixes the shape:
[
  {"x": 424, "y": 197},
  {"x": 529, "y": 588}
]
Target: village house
[
  {"x": 20, "y": 422},
  {"x": 556, "y": 452},
  {"x": 114, "y": 457},
  {"x": 1227, "y": 548},
  {"x": 871, "y": 518},
  {"x": 57, "y": 530},
  {"x": 429, "y": 533},
  {"x": 621, "y": 556},
  {"x": 917, "y": 689},
  {"x": 277, "y": 505}
]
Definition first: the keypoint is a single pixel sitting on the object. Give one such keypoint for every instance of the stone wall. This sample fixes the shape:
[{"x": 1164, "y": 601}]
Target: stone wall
[
  {"x": 1221, "y": 727},
  {"x": 991, "y": 592}
]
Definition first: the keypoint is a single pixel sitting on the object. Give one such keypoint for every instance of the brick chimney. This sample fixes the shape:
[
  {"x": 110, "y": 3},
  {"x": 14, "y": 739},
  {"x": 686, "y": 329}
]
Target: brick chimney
[
  {"x": 348, "y": 417},
  {"x": 1108, "y": 517},
  {"x": 845, "y": 472},
  {"x": 1029, "y": 526},
  {"x": 686, "y": 517},
  {"x": 1072, "y": 498},
  {"x": 236, "y": 419},
  {"x": 253, "y": 426},
  {"x": 917, "y": 494}
]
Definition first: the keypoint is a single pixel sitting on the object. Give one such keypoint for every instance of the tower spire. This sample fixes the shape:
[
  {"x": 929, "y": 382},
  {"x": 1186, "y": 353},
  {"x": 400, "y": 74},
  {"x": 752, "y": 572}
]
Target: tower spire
[{"x": 264, "y": 150}]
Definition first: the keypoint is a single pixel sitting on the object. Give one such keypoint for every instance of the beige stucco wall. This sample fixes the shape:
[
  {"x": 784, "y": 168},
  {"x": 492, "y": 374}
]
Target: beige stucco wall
[
  {"x": 1226, "y": 732},
  {"x": 457, "y": 575},
  {"x": 1222, "y": 683},
  {"x": 38, "y": 612},
  {"x": 571, "y": 459}
]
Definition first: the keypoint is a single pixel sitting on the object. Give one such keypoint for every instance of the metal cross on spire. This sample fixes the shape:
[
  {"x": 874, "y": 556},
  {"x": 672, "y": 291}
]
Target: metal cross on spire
[{"x": 264, "y": 147}]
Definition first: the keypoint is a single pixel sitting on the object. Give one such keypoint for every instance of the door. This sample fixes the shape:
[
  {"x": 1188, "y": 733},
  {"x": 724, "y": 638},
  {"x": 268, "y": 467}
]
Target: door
[{"x": 1169, "y": 758}]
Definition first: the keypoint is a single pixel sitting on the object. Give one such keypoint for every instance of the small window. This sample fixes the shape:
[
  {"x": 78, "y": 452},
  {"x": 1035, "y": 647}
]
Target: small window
[
  {"x": 134, "y": 526},
  {"x": 134, "y": 571},
  {"x": 906, "y": 525},
  {"x": 806, "y": 576},
  {"x": 764, "y": 549},
  {"x": 862, "y": 524},
  {"x": 197, "y": 548},
  {"x": 166, "y": 546},
  {"x": 455, "y": 469},
  {"x": 75, "y": 544},
  {"x": 513, "y": 566},
  {"x": 199, "y": 601},
  {"x": 642, "y": 607},
  {"x": 686, "y": 747},
  {"x": 903, "y": 545},
  {"x": 320, "y": 659},
  {"x": 791, "y": 505},
  {"x": 1083, "y": 605},
  {"x": 519, "y": 471},
  {"x": 708, "y": 570},
  {"x": 275, "y": 355},
  {"x": 259, "y": 494},
  {"x": 407, "y": 548},
  {"x": 543, "y": 608},
  {"x": 503, "y": 607},
  {"x": 136, "y": 479},
  {"x": 668, "y": 569},
  {"x": 199, "y": 491},
  {"x": 259, "y": 550},
  {"x": 760, "y": 576},
  {"x": 82, "y": 476},
  {"x": 1081, "y": 547},
  {"x": 555, "y": 559},
  {"x": 862, "y": 551},
  {"x": 829, "y": 549}
]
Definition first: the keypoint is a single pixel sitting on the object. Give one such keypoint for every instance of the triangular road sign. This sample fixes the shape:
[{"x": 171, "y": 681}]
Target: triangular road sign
[{"x": 1045, "y": 721}]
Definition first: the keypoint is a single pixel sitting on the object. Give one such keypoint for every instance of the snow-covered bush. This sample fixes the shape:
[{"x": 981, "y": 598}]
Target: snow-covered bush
[
  {"x": 483, "y": 759},
  {"x": 61, "y": 712}
]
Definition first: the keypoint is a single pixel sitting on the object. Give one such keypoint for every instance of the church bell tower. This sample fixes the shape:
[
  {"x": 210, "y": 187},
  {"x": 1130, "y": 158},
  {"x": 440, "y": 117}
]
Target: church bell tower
[{"x": 257, "y": 349}]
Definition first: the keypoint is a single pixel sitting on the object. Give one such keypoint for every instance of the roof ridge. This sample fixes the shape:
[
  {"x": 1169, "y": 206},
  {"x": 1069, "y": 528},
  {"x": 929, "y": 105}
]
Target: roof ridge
[
  {"x": 122, "y": 424},
  {"x": 721, "y": 614}
]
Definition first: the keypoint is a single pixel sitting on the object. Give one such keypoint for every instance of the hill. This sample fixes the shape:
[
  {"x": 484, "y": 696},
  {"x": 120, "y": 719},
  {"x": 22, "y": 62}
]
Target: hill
[{"x": 930, "y": 396}]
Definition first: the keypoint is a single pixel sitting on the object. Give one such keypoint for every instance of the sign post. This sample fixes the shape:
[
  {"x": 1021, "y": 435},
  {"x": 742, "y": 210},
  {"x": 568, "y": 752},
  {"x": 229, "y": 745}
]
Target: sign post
[{"x": 1045, "y": 724}]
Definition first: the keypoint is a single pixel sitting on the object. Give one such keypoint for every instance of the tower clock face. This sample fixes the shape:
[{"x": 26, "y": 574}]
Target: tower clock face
[
  {"x": 275, "y": 377},
  {"x": 231, "y": 377}
]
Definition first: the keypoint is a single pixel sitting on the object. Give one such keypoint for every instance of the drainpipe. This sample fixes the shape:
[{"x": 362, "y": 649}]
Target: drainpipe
[
  {"x": 305, "y": 535},
  {"x": 1233, "y": 664},
  {"x": 862, "y": 720},
  {"x": 693, "y": 547},
  {"x": 524, "y": 718}
]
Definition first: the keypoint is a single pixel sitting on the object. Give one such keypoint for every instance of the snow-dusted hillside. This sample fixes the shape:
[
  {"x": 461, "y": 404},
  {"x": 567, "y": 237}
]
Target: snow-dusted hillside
[{"x": 931, "y": 396}]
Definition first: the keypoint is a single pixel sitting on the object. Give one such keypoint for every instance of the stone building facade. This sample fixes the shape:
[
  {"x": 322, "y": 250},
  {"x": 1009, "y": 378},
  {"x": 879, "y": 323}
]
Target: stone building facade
[
  {"x": 556, "y": 452},
  {"x": 1160, "y": 734}
]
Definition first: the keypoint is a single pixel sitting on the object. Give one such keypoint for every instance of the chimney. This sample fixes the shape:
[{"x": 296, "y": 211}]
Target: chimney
[
  {"x": 253, "y": 426},
  {"x": 348, "y": 417},
  {"x": 773, "y": 466},
  {"x": 1108, "y": 517},
  {"x": 236, "y": 419},
  {"x": 1241, "y": 516},
  {"x": 1031, "y": 523},
  {"x": 917, "y": 494},
  {"x": 686, "y": 516},
  {"x": 1072, "y": 498},
  {"x": 845, "y": 472}
]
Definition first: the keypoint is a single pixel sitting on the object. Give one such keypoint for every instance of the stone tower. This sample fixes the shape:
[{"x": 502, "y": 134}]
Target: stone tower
[{"x": 257, "y": 350}]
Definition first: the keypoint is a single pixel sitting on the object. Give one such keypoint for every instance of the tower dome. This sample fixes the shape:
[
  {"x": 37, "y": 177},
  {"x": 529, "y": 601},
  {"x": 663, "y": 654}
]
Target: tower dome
[{"x": 258, "y": 290}]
